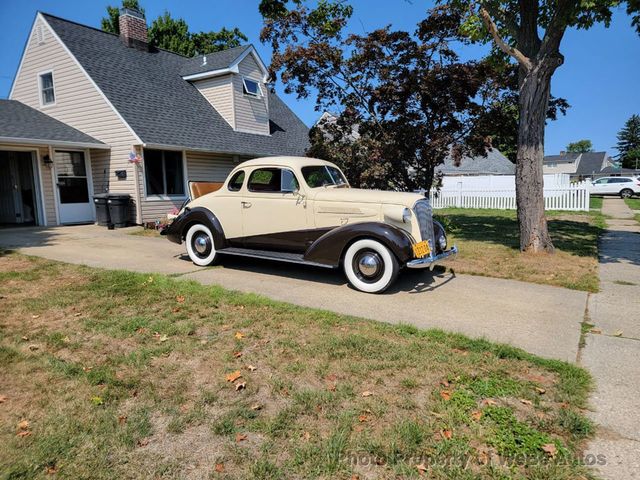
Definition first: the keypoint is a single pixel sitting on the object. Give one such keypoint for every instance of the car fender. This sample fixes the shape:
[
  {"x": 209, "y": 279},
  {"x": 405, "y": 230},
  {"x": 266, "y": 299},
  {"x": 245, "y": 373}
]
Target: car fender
[
  {"x": 328, "y": 249},
  {"x": 178, "y": 228}
]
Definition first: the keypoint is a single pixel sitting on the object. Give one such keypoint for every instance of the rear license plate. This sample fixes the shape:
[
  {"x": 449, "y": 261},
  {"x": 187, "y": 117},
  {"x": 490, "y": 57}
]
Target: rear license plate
[{"x": 421, "y": 249}]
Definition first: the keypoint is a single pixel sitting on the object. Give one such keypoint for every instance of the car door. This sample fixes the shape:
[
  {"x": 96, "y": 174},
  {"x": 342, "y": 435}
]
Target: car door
[
  {"x": 274, "y": 211},
  {"x": 600, "y": 186}
]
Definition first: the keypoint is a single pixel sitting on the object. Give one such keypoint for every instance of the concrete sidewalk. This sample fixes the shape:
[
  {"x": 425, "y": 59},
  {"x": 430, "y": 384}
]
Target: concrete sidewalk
[
  {"x": 541, "y": 319},
  {"x": 613, "y": 357}
]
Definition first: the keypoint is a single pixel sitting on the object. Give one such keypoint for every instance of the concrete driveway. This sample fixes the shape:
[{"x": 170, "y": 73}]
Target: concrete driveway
[{"x": 540, "y": 319}]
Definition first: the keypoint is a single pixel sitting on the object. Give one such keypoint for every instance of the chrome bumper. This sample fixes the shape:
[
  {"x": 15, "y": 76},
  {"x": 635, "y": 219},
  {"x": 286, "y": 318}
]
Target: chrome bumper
[{"x": 432, "y": 261}]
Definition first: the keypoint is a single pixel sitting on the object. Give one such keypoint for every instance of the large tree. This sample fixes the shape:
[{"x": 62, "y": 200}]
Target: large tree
[
  {"x": 628, "y": 145},
  {"x": 173, "y": 33},
  {"x": 406, "y": 100},
  {"x": 530, "y": 33},
  {"x": 581, "y": 146}
]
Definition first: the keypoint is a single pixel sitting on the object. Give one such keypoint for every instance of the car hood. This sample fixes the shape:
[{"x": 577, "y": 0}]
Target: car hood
[{"x": 359, "y": 195}]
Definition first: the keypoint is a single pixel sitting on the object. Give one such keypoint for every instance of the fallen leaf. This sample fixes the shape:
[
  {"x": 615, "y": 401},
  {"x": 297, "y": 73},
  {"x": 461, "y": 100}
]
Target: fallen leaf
[
  {"x": 241, "y": 386},
  {"x": 366, "y": 393},
  {"x": 239, "y": 335},
  {"x": 163, "y": 338},
  {"x": 35, "y": 316},
  {"x": 256, "y": 406},
  {"x": 541, "y": 391},
  {"x": 445, "y": 383},
  {"x": 240, "y": 437},
  {"x": 33, "y": 347},
  {"x": 355, "y": 477},
  {"x": 23, "y": 424},
  {"x": 524, "y": 401},
  {"x": 618, "y": 333},
  {"x": 175, "y": 309},
  {"x": 332, "y": 387},
  {"x": 77, "y": 314},
  {"x": 51, "y": 470},
  {"x": 232, "y": 377},
  {"x": 597, "y": 331},
  {"x": 483, "y": 457},
  {"x": 23, "y": 433},
  {"x": 476, "y": 415},
  {"x": 550, "y": 449},
  {"x": 25, "y": 338},
  {"x": 97, "y": 400},
  {"x": 143, "y": 442},
  {"x": 422, "y": 468},
  {"x": 122, "y": 419},
  {"x": 3, "y": 398},
  {"x": 219, "y": 467},
  {"x": 237, "y": 354},
  {"x": 488, "y": 401},
  {"x": 306, "y": 436},
  {"x": 180, "y": 299},
  {"x": 141, "y": 330},
  {"x": 445, "y": 394},
  {"x": 363, "y": 418},
  {"x": 447, "y": 434},
  {"x": 251, "y": 368}
]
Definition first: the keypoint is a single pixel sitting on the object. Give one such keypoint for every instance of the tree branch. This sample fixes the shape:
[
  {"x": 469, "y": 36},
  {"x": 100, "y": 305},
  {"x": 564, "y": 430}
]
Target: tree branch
[{"x": 506, "y": 48}]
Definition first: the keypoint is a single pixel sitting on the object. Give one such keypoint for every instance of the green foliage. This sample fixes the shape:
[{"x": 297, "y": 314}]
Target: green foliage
[
  {"x": 173, "y": 34},
  {"x": 581, "y": 146},
  {"x": 628, "y": 145}
]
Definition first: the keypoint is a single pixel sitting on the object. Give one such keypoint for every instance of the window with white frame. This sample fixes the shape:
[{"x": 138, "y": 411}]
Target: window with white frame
[
  {"x": 251, "y": 87},
  {"x": 47, "y": 93},
  {"x": 164, "y": 173}
]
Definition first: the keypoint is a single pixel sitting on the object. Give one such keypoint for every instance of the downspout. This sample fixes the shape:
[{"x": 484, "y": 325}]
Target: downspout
[{"x": 136, "y": 175}]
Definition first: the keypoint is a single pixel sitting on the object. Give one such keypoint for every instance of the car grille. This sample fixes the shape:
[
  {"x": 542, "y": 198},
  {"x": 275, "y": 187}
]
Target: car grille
[{"x": 424, "y": 214}]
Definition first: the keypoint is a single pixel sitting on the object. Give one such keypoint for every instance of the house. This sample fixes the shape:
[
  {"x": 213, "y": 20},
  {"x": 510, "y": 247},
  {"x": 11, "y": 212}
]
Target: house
[
  {"x": 92, "y": 112},
  {"x": 577, "y": 165},
  {"x": 494, "y": 163}
]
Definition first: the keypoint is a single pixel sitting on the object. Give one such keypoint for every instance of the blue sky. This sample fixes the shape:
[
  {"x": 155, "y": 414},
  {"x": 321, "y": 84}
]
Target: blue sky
[{"x": 600, "y": 77}]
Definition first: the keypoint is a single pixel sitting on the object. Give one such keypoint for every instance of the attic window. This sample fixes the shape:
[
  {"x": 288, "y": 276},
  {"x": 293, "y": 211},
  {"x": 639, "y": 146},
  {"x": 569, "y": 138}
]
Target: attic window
[
  {"x": 251, "y": 87},
  {"x": 47, "y": 91}
]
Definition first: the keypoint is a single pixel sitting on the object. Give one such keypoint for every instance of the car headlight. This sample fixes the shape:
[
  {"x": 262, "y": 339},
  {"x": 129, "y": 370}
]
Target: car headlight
[
  {"x": 442, "y": 242},
  {"x": 406, "y": 215}
]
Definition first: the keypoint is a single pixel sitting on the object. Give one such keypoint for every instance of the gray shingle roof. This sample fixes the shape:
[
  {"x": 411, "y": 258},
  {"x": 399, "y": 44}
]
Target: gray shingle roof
[
  {"x": 19, "y": 121},
  {"x": 590, "y": 163},
  {"x": 215, "y": 61},
  {"x": 148, "y": 91},
  {"x": 564, "y": 158},
  {"x": 494, "y": 163}
]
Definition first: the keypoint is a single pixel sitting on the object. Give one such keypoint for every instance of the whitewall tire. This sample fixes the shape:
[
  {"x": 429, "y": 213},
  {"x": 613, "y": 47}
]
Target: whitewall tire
[
  {"x": 370, "y": 266},
  {"x": 200, "y": 245}
]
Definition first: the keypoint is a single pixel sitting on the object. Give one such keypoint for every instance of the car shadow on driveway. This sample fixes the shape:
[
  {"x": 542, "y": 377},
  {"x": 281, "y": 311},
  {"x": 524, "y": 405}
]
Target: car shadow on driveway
[{"x": 409, "y": 281}]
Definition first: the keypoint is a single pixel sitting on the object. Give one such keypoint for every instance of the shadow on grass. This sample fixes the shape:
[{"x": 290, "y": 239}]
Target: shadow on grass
[{"x": 574, "y": 237}]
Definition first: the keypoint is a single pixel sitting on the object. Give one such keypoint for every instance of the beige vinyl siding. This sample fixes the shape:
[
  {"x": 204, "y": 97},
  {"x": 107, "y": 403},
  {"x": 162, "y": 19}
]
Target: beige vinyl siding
[
  {"x": 251, "y": 113},
  {"x": 79, "y": 104},
  {"x": 201, "y": 166},
  {"x": 219, "y": 92}
]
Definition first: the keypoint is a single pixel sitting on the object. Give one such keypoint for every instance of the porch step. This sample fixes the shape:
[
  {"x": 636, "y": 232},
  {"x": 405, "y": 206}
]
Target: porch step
[{"x": 270, "y": 255}]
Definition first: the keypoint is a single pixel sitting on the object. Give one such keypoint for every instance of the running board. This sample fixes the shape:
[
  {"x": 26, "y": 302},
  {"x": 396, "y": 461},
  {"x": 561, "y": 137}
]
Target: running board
[{"x": 270, "y": 255}]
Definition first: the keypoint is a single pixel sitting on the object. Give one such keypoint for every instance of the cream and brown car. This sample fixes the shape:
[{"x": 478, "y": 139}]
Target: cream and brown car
[{"x": 302, "y": 210}]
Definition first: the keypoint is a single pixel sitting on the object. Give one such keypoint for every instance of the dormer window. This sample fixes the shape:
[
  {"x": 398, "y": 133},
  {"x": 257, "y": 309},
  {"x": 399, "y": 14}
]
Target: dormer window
[
  {"x": 47, "y": 92},
  {"x": 251, "y": 87}
]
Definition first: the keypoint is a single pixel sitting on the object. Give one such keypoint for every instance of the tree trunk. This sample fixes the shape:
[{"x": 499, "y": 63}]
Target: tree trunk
[{"x": 535, "y": 86}]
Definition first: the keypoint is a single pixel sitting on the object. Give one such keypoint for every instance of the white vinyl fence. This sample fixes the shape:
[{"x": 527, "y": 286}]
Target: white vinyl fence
[{"x": 573, "y": 196}]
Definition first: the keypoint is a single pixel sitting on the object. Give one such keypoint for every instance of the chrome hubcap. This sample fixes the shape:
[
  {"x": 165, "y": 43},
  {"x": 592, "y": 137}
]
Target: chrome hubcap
[
  {"x": 368, "y": 265},
  {"x": 200, "y": 244}
]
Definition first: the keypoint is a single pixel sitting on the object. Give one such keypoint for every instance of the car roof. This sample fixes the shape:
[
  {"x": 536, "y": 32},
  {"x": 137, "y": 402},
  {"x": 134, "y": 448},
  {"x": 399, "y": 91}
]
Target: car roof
[{"x": 284, "y": 161}]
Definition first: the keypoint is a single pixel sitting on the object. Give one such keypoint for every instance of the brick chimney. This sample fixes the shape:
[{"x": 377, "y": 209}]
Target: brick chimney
[{"x": 133, "y": 28}]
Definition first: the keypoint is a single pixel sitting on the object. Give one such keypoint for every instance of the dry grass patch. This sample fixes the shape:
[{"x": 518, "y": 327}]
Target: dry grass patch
[
  {"x": 489, "y": 246},
  {"x": 160, "y": 378}
]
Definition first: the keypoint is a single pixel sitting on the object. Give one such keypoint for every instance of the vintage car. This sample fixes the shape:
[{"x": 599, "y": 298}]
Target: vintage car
[{"x": 302, "y": 210}]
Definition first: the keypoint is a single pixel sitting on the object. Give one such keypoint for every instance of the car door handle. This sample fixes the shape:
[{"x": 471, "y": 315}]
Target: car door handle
[{"x": 246, "y": 204}]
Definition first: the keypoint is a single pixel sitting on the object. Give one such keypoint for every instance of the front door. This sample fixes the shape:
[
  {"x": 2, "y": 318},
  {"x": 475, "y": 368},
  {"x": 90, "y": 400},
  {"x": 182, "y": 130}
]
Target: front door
[
  {"x": 72, "y": 181},
  {"x": 274, "y": 214}
]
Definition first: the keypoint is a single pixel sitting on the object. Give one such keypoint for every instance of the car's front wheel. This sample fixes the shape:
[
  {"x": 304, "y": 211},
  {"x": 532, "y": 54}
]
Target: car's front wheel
[
  {"x": 626, "y": 193},
  {"x": 200, "y": 246},
  {"x": 370, "y": 266}
]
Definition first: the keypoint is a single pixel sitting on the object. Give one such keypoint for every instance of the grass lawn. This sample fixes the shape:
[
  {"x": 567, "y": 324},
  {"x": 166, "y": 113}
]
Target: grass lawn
[
  {"x": 489, "y": 245},
  {"x": 595, "y": 203},
  {"x": 634, "y": 204},
  {"x": 109, "y": 374}
]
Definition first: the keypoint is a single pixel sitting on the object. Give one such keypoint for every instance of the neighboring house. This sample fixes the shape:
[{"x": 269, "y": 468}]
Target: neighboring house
[
  {"x": 126, "y": 118},
  {"x": 577, "y": 165},
  {"x": 495, "y": 163}
]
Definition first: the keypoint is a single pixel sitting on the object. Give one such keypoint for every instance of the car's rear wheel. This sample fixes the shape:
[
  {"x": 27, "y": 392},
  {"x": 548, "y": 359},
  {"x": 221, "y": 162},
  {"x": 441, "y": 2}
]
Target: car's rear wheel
[
  {"x": 370, "y": 266},
  {"x": 626, "y": 193},
  {"x": 200, "y": 246}
]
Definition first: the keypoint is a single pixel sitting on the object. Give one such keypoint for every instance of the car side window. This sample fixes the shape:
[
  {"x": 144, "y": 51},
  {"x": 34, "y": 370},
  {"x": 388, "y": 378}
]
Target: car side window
[
  {"x": 274, "y": 180},
  {"x": 601, "y": 181},
  {"x": 235, "y": 184}
]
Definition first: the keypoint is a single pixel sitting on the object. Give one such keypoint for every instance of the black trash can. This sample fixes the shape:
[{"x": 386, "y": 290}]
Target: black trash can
[
  {"x": 102, "y": 209},
  {"x": 119, "y": 209}
]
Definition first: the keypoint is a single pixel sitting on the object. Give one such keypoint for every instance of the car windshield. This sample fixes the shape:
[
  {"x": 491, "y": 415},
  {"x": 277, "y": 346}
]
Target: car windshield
[{"x": 323, "y": 176}]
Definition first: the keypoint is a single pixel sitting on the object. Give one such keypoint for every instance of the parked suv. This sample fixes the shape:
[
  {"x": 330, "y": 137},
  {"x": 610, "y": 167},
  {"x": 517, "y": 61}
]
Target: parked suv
[{"x": 624, "y": 186}]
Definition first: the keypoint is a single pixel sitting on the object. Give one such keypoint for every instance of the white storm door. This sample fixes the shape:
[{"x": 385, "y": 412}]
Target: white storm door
[{"x": 74, "y": 204}]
